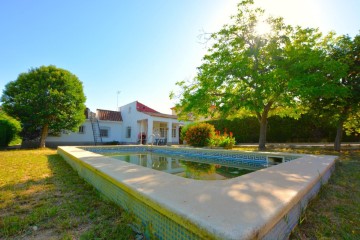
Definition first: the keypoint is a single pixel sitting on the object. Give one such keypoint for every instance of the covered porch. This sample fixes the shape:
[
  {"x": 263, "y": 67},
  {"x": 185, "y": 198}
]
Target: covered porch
[{"x": 158, "y": 131}]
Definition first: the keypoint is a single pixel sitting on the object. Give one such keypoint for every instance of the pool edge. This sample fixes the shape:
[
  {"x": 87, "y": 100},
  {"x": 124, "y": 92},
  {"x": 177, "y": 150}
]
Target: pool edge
[{"x": 260, "y": 230}]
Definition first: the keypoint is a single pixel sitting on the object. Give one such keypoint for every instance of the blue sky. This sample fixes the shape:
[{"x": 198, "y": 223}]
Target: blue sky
[{"x": 140, "y": 48}]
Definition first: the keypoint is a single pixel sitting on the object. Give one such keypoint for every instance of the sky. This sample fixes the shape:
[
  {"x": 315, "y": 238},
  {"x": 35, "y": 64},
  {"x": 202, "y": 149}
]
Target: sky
[{"x": 136, "y": 50}]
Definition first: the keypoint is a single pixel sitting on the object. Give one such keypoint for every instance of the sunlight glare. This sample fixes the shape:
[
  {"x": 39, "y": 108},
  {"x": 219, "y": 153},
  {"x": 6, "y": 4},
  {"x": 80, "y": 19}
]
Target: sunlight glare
[{"x": 262, "y": 28}]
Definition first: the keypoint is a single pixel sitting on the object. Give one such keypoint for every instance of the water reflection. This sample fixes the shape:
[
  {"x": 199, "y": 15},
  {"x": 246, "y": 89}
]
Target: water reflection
[{"x": 187, "y": 168}]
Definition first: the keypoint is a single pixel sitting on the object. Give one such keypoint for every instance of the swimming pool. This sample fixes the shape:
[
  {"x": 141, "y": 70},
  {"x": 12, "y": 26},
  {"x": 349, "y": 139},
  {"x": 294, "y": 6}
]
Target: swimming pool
[
  {"x": 199, "y": 164},
  {"x": 187, "y": 167},
  {"x": 263, "y": 204}
]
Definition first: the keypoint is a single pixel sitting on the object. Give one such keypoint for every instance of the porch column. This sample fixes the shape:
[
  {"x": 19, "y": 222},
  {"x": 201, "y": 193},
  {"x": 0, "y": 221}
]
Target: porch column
[
  {"x": 177, "y": 134},
  {"x": 149, "y": 138},
  {"x": 140, "y": 130},
  {"x": 169, "y": 127}
]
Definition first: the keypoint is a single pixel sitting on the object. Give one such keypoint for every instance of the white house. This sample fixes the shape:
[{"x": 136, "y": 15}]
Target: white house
[{"x": 134, "y": 123}]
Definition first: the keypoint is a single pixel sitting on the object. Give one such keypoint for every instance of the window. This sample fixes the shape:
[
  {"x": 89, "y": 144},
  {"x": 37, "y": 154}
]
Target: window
[
  {"x": 163, "y": 130},
  {"x": 129, "y": 110},
  {"x": 128, "y": 132},
  {"x": 104, "y": 132},
  {"x": 82, "y": 129},
  {"x": 173, "y": 132}
]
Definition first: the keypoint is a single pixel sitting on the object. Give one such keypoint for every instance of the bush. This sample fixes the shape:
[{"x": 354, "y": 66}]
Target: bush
[
  {"x": 184, "y": 130},
  {"x": 9, "y": 129},
  {"x": 114, "y": 142},
  {"x": 199, "y": 134},
  {"x": 226, "y": 140}
]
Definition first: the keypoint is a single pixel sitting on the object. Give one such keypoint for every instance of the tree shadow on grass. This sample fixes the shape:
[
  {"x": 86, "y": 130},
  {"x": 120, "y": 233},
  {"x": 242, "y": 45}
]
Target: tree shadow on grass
[{"x": 59, "y": 206}]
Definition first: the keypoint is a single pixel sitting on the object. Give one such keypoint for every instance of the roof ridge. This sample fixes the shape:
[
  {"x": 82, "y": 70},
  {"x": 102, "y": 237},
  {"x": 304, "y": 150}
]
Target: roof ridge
[{"x": 143, "y": 108}]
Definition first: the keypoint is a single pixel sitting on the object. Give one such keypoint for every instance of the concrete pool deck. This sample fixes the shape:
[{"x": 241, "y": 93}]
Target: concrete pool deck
[{"x": 255, "y": 205}]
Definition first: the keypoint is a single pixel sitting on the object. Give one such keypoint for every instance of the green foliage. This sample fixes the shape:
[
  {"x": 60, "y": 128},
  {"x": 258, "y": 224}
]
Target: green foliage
[
  {"x": 199, "y": 134},
  {"x": 352, "y": 125},
  {"x": 45, "y": 99},
  {"x": 184, "y": 130},
  {"x": 9, "y": 129},
  {"x": 308, "y": 128},
  {"x": 261, "y": 73},
  {"x": 226, "y": 140},
  {"x": 342, "y": 106}
]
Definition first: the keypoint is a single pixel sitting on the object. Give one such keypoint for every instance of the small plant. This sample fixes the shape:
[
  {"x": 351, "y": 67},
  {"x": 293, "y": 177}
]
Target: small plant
[{"x": 226, "y": 140}]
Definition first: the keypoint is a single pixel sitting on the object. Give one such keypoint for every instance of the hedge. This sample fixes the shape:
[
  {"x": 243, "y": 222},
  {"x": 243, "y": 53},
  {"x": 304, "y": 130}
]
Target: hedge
[{"x": 280, "y": 130}]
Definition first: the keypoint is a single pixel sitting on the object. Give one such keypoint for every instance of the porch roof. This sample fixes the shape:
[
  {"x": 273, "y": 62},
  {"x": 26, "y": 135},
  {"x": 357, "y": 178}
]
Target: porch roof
[{"x": 163, "y": 115}]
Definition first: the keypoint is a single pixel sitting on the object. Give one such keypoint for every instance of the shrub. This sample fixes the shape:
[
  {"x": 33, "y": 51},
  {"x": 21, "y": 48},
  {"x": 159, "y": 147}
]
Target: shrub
[
  {"x": 226, "y": 140},
  {"x": 114, "y": 142},
  {"x": 184, "y": 130},
  {"x": 199, "y": 134},
  {"x": 9, "y": 129}
]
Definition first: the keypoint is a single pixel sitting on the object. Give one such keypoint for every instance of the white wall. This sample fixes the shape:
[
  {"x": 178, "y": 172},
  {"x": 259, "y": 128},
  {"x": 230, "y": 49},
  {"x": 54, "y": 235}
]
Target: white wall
[
  {"x": 75, "y": 136},
  {"x": 130, "y": 119},
  {"x": 115, "y": 134},
  {"x": 115, "y": 131}
]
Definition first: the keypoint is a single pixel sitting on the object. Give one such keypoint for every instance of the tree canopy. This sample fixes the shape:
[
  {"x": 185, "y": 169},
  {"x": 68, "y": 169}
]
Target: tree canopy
[
  {"x": 46, "y": 99},
  {"x": 343, "y": 111},
  {"x": 264, "y": 73}
]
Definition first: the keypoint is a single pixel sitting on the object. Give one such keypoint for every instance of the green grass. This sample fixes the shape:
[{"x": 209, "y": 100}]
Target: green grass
[
  {"x": 335, "y": 212},
  {"x": 41, "y": 197}
]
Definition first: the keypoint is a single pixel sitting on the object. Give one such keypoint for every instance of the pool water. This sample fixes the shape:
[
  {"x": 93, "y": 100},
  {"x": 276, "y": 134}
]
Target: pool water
[{"x": 183, "y": 167}]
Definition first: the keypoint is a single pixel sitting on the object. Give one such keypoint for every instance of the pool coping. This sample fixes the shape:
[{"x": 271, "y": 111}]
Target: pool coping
[{"x": 244, "y": 207}]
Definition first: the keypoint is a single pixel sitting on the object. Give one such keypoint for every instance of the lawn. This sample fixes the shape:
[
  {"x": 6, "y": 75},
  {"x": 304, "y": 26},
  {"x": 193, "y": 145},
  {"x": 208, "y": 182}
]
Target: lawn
[
  {"x": 335, "y": 212},
  {"x": 41, "y": 197}
]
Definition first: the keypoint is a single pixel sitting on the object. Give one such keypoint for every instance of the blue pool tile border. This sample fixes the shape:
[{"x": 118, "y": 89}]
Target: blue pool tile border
[{"x": 223, "y": 157}]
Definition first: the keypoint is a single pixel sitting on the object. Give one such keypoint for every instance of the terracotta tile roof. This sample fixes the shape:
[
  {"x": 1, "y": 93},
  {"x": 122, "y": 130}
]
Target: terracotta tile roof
[
  {"x": 109, "y": 115},
  {"x": 143, "y": 108}
]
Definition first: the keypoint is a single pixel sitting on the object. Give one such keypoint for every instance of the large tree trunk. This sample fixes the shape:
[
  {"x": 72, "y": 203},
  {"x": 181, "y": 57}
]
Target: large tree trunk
[
  {"x": 339, "y": 133},
  {"x": 339, "y": 130},
  {"x": 263, "y": 126},
  {"x": 44, "y": 133},
  {"x": 262, "y": 137}
]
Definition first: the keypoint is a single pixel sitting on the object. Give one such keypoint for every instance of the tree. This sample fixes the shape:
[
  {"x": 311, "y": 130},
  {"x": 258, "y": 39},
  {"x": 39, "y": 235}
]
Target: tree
[
  {"x": 46, "y": 98},
  {"x": 9, "y": 129},
  {"x": 264, "y": 73},
  {"x": 343, "y": 109}
]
